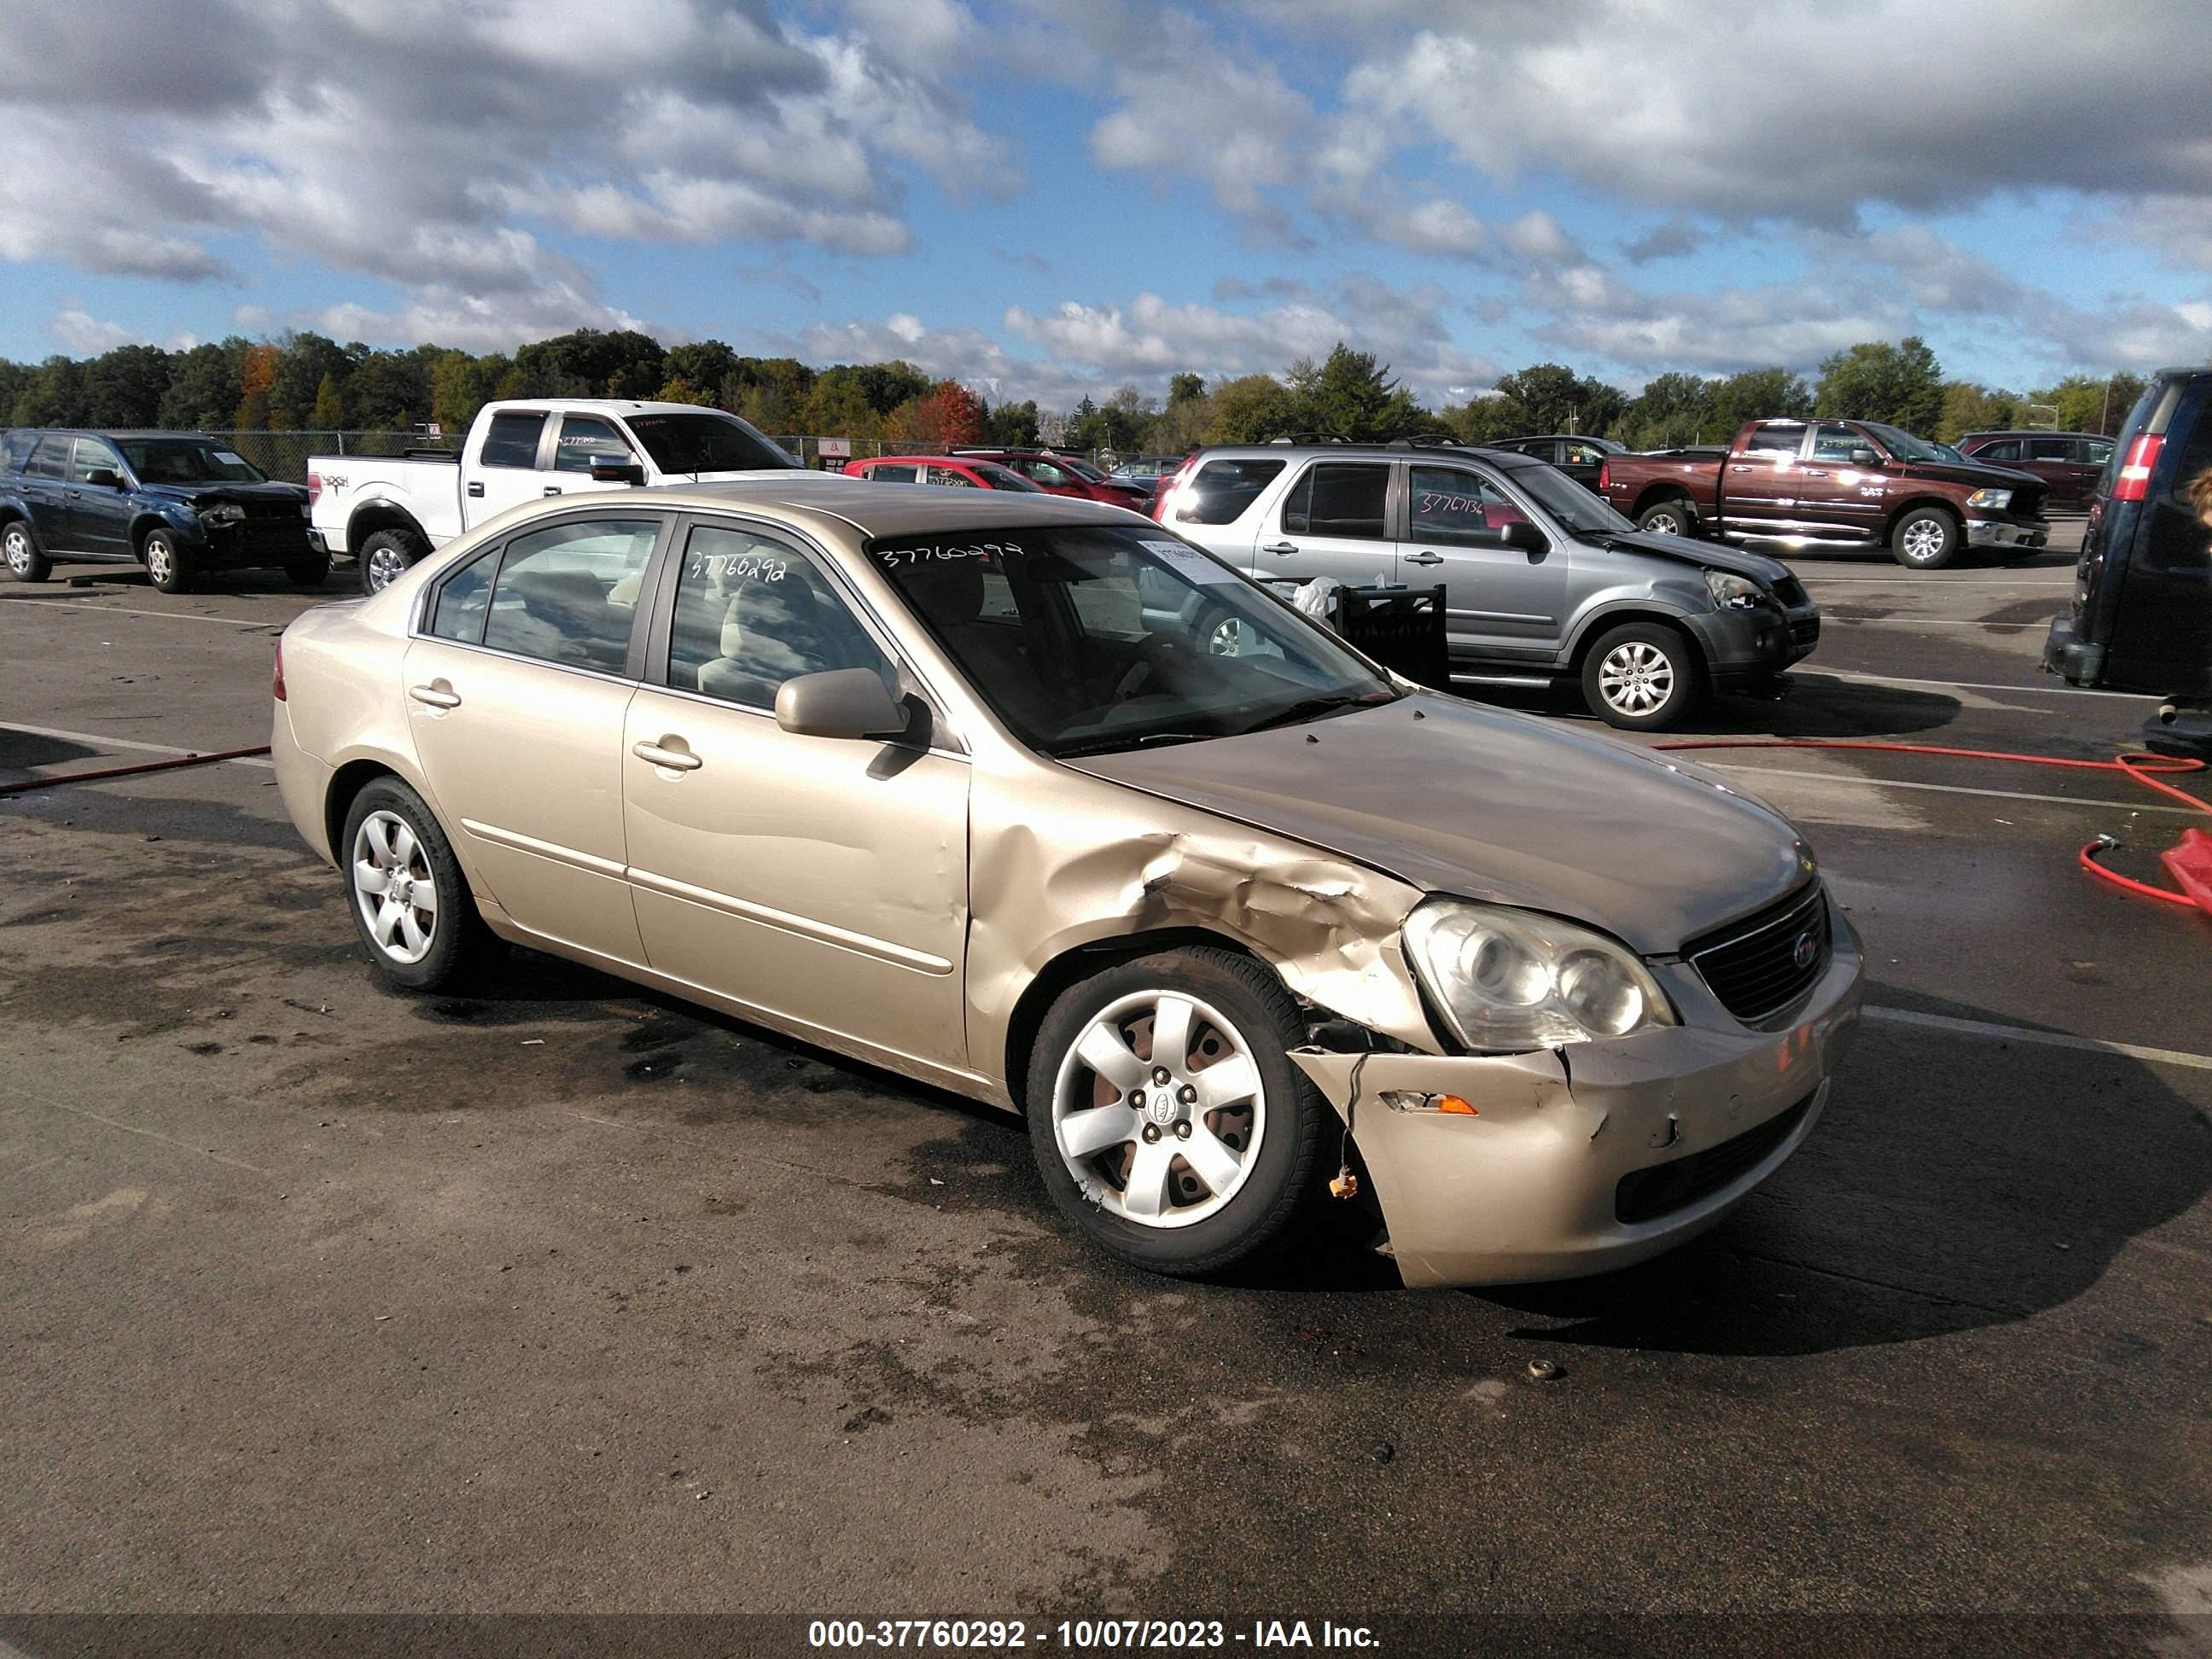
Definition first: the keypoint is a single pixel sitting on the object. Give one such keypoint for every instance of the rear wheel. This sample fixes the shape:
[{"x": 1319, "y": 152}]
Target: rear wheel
[
  {"x": 411, "y": 902},
  {"x": 166, "y": 567},
  {"x": 1642, "y": 677},
  {"x": 385, "y": 557},
  {"x": 26, "y": 564},
  {"x": 1670, "y": 518},
  {"x": 1926, "y": 538},
  {"x": 1168, "y": 1120}
]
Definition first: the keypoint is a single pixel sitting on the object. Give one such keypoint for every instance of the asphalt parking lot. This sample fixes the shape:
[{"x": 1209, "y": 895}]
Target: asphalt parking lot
[{"x": 564, "y": 1296}]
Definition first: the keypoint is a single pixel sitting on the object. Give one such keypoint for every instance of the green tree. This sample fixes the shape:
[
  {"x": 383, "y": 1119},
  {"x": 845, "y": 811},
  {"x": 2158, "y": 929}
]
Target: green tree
[
  {"x": 1351, "y": 395},
  {"x": 203, "y": 390},
  {"x": 124, "y": 387},
  {"x": 2086, "y": 404},
  {"x": 1968, "y": 407},
  {"x": 53, "y": 396},
  {"x": 886, "y": 386},
  {"x": 1486, "y": 420},
  {"x": 1554, "y": 399},
  {"x": 1251, "y": 409},
  {"x": 390, "y": 392},
  {"x": 1185, "y": 388},
  {"x": 678, "y": 390},
  {"x": 1757, "y": 394},
  {"x": 14, "y": 378},
  {"x": 1672, "y": 410},
  {"x": 459, "y": 386},
  {"x": 590, "y": 362},
  {"x": 702, "y": 363},
  {"x": 1901, "y": 384},
  {"x": 304, "y": 361},
  {"x": 329, "y": 413},
  {"x": 1014, "y": 425},
  {"x": 838, "y": 407}
]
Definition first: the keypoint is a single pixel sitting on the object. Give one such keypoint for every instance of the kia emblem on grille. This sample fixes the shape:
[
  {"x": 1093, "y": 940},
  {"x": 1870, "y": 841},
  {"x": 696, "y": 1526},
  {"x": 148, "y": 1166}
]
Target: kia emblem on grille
[{"x": 1805, "y": 950}]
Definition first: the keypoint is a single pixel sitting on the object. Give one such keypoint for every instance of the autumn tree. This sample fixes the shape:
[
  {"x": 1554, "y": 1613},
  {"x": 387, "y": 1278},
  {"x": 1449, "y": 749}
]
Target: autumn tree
[
  {"x": 257, "y": 374},
  {"x": 947, "y": 414}
]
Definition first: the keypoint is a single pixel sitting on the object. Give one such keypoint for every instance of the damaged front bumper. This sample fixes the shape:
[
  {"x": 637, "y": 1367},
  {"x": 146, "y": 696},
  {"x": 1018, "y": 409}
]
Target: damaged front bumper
[{"x": 1590, "y": 1157}]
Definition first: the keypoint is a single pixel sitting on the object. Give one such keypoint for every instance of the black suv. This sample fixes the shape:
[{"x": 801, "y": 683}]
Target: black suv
[
  {"x": 2142, "y": 617},
  {"x": 178, "y": 502}
]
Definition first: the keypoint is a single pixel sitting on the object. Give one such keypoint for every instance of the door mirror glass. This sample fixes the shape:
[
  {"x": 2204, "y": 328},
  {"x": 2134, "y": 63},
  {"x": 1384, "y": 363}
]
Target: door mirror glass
[{"x": 839, "y": 702}]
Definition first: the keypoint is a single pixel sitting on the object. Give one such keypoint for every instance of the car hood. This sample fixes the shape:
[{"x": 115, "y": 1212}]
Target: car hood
[
  {"x": 1714, "y": 556},
  {"x": 207, "y": 495},
  {"x": 1496, "y": 806},
  {"x": 1975, "y": 475}
]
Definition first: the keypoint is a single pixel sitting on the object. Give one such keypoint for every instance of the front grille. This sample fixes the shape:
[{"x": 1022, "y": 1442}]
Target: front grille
[
  {"x": 1806, "y": 630},
  {"x": 1761, "y": 965},
  {"x": 1647, "y": 1195}
]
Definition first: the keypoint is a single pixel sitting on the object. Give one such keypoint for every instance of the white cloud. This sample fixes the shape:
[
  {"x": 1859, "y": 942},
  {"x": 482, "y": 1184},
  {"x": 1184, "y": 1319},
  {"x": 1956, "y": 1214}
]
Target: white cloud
[{"x": 84, "y": 335}]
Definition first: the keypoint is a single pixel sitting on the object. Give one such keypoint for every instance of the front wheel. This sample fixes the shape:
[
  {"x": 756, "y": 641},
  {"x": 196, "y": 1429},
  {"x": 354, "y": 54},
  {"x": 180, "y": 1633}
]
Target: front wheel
[
  {"x": 1668, "y": 519},
  {"x": 25, "y": 562},
  {"x": 385, "y": 557},
  {"x": 1926, "y": 538},
  {"x": 312, "y": 571},
  {"x": 166, "y": 567},
  {"x": 1169, "y": 1123},
  {"x": 411, "y": 902},
  {"x": 1642, "y": 677}
]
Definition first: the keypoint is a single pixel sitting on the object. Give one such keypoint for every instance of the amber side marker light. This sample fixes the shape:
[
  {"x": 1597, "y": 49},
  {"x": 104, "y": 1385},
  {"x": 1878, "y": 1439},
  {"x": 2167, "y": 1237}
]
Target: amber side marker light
[{"x": 1414, "y": 1100}]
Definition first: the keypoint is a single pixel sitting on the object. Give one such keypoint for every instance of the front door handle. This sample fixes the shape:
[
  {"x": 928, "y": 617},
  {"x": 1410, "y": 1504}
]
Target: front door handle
[
  {"x": 437, "y": 696},
  {"x": 1814, "y": 473},
  {"x": 1424, "y": 558},
  {"x": 676, "y": 760},
  {"x": 77, "y": 495},
  {"x": 552, "y": 490},
  {"x": 1280, "y": 547},
  {"x": 477, "y": 489}
]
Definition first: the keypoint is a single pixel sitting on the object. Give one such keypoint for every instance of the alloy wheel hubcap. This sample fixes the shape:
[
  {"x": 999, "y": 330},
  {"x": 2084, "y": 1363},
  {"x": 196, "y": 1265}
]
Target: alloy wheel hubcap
[
  {"x": 1636, "y": 679},
  {"x": 394, "y": 888},
  {"x": 1663, "y": 524},
  {"x": 384, "y": 568},
  {"x": 157, "y": 560},
  {"x": 1924, "y": 540},
  {"x": 1159, "y": 1110},
  {"x": 19, "y": 551}
]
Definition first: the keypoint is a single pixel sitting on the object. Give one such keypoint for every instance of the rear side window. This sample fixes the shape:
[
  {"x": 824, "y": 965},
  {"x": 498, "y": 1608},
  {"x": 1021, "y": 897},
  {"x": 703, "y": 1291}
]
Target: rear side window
[
  {"x": 1337, "y": 498},
  {"x": 51, "y": 459},
  {"x": 458, "y": 613},
  {"x": 1223, "y": 489},
  {"x": 511, "y": 439},
  {"x": 2050, "y": 449},
  {"x": 14, "y": 448},
  {"x": 2096, "y": 451},
  {"x": 893, "y": 474},
  {"x": 568, "y": 594},
  {"x": 1777, "y": 437}
]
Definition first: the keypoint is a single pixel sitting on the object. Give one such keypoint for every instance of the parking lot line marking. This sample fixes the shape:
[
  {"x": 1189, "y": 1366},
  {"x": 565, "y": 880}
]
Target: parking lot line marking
[
  {"x": 1926, "y": 621},
  {"x": 1988, "y": 686},
  {"x": 125, "y": 743},
  {"x": 2045, "y": 1039},
  {"x": 1945, "y": 788},
  {"x": 1922, "y": 585},
  {"x": 87, "y": 608},
  {"x": 132, "y": 1129}
]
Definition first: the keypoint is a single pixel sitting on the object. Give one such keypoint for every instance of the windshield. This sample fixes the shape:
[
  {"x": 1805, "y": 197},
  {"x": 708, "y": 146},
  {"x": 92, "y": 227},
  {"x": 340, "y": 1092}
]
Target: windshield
[
  {"x": 1081, "y": 468},
  {"x": 1903, "y": 444},
  {"x": 1004, "y": 478},
  {"x": 187, "y": 461},
  {"x": 1575, "y": 507},
  {"x": 1089, "y": 638},
  {"x": 709, "y": 442}
]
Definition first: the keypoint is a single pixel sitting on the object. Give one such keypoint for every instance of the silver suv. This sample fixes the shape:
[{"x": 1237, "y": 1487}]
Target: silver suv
[{"x": 1542, "y": 580}]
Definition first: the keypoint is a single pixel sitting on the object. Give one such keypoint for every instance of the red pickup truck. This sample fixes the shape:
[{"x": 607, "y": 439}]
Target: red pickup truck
[{"x": 1832, "y": 483}]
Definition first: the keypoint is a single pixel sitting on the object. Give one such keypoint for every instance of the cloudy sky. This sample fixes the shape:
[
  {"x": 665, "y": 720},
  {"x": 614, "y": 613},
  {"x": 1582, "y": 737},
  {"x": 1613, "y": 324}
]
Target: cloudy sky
[{"x": 1043, "y": 199}]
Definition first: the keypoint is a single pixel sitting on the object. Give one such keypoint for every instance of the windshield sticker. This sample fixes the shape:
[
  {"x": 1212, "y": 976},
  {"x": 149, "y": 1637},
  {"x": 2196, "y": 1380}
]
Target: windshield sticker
[
  {"x": 1189, "y": 563},
  {"x": 746, "y": 567},
  {"x": 893, "y": 558},
  {"x": 1438, "y": 500},
  {"x": 229, "y": 460}
]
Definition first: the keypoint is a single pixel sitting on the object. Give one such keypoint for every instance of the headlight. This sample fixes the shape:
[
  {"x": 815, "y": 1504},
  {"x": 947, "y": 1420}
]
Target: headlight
[
  {"x": 1516, "y": 980},
  {"x": 1733, "y": 592},
  {"x": 1989, "y": 501},
  {"x": 222, "y": 514}
]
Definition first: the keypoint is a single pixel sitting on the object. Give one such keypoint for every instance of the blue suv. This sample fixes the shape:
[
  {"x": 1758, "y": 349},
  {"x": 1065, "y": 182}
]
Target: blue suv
[{"x": 178, "y": 502}]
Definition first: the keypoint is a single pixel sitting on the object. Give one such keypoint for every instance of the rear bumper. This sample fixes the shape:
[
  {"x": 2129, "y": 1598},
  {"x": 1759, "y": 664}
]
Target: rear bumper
[
  {"x": 2076, "y": 661},
  {"x": 1999, "y": 533}
]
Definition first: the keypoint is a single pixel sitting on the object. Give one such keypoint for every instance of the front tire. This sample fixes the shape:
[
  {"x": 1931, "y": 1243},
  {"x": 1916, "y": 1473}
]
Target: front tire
[
  {"x": 1926, "y": 538},
  {"x": 20, "y": 545},
  {"x": 1671, "y": 517},
  {"x": 409, "y": 900},
  {"x": 1641, "y": 676},
  {"x": 167, "y": 567},
  {"x": 1216, "y": 1161},
  {"x": 311, "y": 572},
  {"x": 385, "y": 557}
]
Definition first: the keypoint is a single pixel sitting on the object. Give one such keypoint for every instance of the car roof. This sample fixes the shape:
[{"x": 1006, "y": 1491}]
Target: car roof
[
  {"x": 873, "y": 510},
  {"x": 932, "y": 460},
  {"x": 2026, "y": 433},
  {"x": 110, "y": 432},
  {"x": 1504, "y": 458}
]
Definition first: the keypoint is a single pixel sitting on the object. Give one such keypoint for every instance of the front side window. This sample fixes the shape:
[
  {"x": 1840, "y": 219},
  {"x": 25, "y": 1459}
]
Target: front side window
[
  {"x": 1835, "y": 443},
  {"x": 584, "y": 440},
  {"x": 511, "y": 439},
  {"x": 752, "y": 612},
  {"x": 2005, "y": 449},
  {"x": 188, "y": 461},
  {"x": 2097, "y": 451},
  {"x": 1451, "y": 505},
  {"x": 995, "y": 476},
  {"x": 1339, "y": 498},
  {"x": 1585, "y": 454},
  {"x": 569, "y": 594},
  {"x": 92, "y": 456},
  {"x": 1223, "y": 489},
  {"x": 1046, "y": 473},
  {"x": 1089, "y": 638}
]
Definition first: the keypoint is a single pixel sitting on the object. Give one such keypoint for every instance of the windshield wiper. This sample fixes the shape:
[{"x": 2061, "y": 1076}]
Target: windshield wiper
[
  {"x": 1307, "y": 708},
  {"x": 1143, "y": 740}
]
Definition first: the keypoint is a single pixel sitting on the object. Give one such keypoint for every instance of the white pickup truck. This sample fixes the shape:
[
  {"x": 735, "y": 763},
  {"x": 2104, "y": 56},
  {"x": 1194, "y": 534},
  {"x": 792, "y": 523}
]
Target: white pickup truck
[{"x": 388, "y": 514}]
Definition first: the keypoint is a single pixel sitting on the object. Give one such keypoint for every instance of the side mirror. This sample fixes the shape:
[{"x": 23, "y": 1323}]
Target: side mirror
[
  {"x": 840, "y": 702},
  {"x": 104, "y": 477},
  {"x": 1865, "y": 458},
  {"x": 1523, "y": 535},
  {"x": 615, "y": 469}
]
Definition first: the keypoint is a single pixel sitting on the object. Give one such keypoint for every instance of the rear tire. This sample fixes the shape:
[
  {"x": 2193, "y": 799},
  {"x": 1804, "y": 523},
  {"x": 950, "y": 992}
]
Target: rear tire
[
  {"x": 1926, "y": 538},
  {"x": 19, "y": 543},
  {"x": 410, "y": 901},
  {"x": 311, "y": 572},
  {"x": 387, "y": 555},
  {"x": 1186, "y": 1187},
  {"x": 1642, "y": 677},
  {"x": 1670, "y": 518},
  {"x": 167, "y": 567}
]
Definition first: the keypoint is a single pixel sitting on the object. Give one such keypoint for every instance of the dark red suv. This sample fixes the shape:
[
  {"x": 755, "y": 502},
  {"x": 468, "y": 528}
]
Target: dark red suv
[{"x": 2069, "y": 461}]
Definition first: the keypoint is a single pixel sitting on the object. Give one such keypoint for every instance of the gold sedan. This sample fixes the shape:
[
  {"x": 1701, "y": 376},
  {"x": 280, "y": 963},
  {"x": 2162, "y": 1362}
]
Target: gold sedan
[{"x": 1029, "y": 798}]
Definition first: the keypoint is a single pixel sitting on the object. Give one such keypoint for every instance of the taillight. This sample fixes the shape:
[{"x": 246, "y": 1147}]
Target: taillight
[
  {"x": 1604, "y": 476},
  {"x": 277, "y": 682},
  {"x": 2133, "y": 484},
  {"x": 314, "y": 487}
]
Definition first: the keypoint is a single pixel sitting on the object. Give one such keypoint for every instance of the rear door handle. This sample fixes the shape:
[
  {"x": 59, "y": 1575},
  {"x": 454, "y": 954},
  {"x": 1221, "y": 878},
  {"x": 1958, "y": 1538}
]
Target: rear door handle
[
  {"x": 77, "y": 495},
  {"x": 676, "y": 760},
  {"x": 437, "y": 696},
  {"x": 1280, "y": 547},
  {"x": 552, "y": 490},
  {"x": 1424, "y": 558}
]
